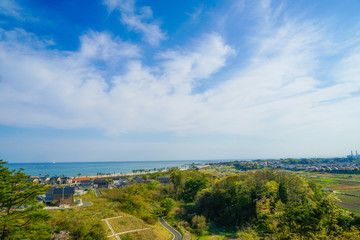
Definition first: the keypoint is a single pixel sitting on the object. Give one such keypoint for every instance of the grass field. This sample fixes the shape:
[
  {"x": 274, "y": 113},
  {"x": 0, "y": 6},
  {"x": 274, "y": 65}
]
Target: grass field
[
  {"x": 128, "y": 223},
  {"x": 103, "y": 208},
  {"x": 152, "y": 234}
]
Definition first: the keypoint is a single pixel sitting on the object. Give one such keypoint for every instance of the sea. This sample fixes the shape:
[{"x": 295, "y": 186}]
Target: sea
[{"x": 75, "y": 169}]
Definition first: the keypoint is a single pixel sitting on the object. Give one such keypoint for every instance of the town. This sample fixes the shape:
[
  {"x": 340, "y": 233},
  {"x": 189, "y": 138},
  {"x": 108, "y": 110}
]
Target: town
[
  {"x": 349, "y": 164},
  {"x": 63, "y": 189}
]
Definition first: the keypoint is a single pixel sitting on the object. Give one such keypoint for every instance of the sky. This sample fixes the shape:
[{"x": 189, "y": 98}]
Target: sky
[{"x": 136, "y": 80}]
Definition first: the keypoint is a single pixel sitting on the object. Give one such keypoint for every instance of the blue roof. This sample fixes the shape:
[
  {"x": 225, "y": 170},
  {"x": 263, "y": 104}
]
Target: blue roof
[{"x": 60, "y": 191}]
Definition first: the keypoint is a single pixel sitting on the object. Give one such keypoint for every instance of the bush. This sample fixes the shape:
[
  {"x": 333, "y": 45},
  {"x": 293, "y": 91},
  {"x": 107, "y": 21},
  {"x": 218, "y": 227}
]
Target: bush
[
  {"x": 247, "y": 234},
  {"x": 198, "y": 223}
]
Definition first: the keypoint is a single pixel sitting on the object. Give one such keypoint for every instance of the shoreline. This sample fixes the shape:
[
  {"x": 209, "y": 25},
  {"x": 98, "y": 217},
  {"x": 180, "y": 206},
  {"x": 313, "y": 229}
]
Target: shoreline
[
  {"x": 74, "y": 170},
  {"x": 126, "y": 174},
  {"x": 134, "y": 174}
]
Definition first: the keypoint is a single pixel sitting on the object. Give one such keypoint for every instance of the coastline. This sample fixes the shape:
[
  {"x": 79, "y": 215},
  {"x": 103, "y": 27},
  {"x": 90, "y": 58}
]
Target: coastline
[
  {"x": 102, "y": 169},
  {"x": 135, "y": 174},
  {"x": 125, "y": 174}
]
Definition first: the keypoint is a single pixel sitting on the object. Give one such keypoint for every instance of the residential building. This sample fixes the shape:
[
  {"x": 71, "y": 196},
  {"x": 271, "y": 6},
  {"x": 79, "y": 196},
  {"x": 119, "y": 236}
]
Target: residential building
[{"x": 60, "y": 196}]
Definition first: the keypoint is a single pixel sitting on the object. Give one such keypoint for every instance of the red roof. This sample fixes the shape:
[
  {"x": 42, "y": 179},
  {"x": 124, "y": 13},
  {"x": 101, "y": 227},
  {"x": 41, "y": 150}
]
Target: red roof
[{"x": 80, "y": 179}]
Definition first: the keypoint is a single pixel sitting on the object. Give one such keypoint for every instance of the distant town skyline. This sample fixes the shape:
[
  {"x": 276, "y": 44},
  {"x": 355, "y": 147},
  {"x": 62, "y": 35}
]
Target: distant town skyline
[{"x": 118, "y": 80}]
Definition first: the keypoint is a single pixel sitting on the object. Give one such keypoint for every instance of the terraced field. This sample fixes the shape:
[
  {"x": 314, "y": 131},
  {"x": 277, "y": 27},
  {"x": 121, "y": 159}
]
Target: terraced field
[
  {"x": 350, "y": 192},
  {"x": 349, "y": 202},
  {"x": 346, "y": 187}
]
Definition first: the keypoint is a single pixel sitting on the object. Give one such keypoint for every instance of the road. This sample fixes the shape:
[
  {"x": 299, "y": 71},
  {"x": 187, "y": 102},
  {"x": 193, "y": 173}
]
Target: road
[
  {"x": 112, "y": 230},
  {"x": 97, "y": 192},
  {"x": 85, "y": 204},
  {"x": 177, "y": 235}
]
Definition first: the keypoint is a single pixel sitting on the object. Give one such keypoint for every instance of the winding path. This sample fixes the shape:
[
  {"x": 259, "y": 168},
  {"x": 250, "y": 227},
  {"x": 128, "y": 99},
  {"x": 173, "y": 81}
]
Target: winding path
[{"x": 176, "y": 234}]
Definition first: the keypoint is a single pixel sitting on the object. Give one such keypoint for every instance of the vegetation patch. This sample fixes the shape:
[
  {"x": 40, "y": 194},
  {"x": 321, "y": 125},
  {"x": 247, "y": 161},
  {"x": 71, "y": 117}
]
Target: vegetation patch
[
  {"x": 349, "y": 202},
  {"x": 127, "y": 223}
]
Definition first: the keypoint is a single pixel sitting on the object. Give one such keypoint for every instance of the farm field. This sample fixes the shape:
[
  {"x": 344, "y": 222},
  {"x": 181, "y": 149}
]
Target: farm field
[
  {"x": 346, "y": 186},
  {"x": 349, "y": 202},
  {"x": 350, "y": 192}
]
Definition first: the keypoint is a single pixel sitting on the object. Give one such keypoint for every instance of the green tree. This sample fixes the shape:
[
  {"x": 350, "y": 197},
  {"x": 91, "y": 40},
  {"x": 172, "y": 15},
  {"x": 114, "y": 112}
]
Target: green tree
[
  {"x": 198, "y": 223},
  {"x": 168, "y": 205},
  {"x": 247, "y": 234},
  {"x": 192, "y": 187},
  {"x": 21, "y": 216}
]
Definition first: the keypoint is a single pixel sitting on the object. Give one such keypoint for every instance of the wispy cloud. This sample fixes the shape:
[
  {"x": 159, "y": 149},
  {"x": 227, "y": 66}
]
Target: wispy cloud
[
  {"x": 10, "y": 8},
  {"x": 140, "y": 20},
  {"x": 286, "y": 88},
  {"x": 102, "y": 46}
]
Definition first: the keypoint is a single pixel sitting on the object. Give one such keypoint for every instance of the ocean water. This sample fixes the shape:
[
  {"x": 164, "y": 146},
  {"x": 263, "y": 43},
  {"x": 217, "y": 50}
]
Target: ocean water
[{"x": 92, "y": 168}]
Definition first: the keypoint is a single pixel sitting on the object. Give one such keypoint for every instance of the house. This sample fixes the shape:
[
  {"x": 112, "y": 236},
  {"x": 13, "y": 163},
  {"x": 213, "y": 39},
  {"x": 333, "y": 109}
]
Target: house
[
  {"x": 163, "y": 179},
  {"x": 65, "y": 180},
  {"x": 44, "y": 180},
  {"x": 84, "y": 184},
  {"x": 60, "y": 196},
  {"x": 55, "y": 180},
  {"x": 120, "y": 181},
  {"x": 34, "y": 179},
  {"x": 137, "y": 179},
  {"x": 76, "y": 180},
  {"x": 101, "y": 183}
]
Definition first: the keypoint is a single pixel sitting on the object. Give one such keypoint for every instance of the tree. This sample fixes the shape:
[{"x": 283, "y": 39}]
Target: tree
[
  {"x": 192, "y": 187},
  {"x": 21, "y": 216},
  {"x": 198, "y": 223},
  {"x": 247, "y": 234},
  {"x": 168, "y": 205}
]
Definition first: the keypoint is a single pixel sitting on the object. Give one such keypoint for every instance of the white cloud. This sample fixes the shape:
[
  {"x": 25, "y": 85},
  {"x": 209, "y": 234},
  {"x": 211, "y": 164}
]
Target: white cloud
[
  {"x": 66, "y": 90},
  {"x": 139, "y": 20},
  {"x": 182, "y": 68},
  {"x": 282, "y": 94},
  {"x": 102, "y": 46}
]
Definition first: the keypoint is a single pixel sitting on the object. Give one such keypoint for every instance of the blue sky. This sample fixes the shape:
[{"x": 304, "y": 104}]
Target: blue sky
[{"x": 131, "y": 80}]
